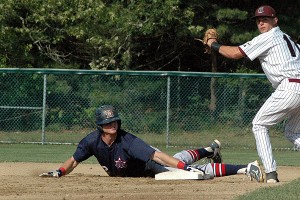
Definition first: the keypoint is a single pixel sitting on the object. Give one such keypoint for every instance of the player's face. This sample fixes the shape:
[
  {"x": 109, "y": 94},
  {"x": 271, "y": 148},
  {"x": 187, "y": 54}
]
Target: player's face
[
  {"x": 110, "y": 128},
  {"x": 264, "y": 24}
]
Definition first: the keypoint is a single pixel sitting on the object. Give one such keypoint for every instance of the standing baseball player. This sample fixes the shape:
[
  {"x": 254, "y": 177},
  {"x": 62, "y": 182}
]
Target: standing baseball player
[
  {"x": 279, "y": 56},
  {"x": 123, "y": 154}
]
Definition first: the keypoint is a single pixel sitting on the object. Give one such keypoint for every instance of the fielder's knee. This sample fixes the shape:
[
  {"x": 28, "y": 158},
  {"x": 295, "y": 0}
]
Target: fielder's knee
[{"x": 256, "y": 129}]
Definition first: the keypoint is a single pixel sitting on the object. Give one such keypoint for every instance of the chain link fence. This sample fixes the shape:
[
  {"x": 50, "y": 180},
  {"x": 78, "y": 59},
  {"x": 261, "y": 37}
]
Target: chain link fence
[{"x": 163, "y": 108}]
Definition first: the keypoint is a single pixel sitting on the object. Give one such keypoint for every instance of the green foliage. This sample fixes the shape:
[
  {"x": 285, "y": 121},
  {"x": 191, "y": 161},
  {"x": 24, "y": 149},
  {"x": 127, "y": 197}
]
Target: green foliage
[
  {"x": 139, "y": 35},
  {"x": 241, "y": 38},
  {"x": 71, "y": 100},
  {"x": 245, "y": 98},
  {"x": 24, "y": 91},
  {"x": 93, "y": 34},
  {"x": 231, "y": 14},
  {"x": 126, "y": 35},
  {"x": 67, "y": 101}
]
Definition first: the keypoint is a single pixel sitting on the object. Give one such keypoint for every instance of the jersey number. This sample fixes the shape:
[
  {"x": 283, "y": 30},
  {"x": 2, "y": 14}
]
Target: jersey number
[{"x": 288, "y": 42}]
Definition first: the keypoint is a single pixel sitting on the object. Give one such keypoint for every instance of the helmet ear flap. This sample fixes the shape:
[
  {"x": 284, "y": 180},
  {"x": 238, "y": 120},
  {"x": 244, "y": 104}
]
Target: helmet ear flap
[
  {"x": 99, "y": 127},
  {"x": 119, "y": 124}
]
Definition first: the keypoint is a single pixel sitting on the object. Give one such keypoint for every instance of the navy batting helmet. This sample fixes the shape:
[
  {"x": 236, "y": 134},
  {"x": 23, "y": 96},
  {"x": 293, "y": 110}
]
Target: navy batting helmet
[{"x": 106, "y": 114}]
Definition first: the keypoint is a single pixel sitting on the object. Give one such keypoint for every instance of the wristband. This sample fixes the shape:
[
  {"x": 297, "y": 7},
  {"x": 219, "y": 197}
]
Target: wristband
[
  {"x": 180, "y": 165},
  {"x": 215, "y": 46},
  {"x": 62, "y": 171}
]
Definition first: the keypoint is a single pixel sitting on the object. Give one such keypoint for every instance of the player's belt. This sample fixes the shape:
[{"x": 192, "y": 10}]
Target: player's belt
[{"x": 294, "y": 80}]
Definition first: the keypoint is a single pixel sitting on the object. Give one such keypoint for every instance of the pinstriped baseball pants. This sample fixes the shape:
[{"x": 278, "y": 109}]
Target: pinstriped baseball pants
[{"x": 282, "y": 104}]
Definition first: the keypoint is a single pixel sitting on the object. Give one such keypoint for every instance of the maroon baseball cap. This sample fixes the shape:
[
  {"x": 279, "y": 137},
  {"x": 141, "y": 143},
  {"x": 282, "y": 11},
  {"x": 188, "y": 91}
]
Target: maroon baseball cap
[{"x": 265, "y": 11}]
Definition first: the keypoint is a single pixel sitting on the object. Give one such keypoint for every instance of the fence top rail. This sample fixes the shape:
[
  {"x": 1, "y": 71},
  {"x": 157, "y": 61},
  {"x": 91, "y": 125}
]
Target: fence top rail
[{"x": 130, "y": 73}]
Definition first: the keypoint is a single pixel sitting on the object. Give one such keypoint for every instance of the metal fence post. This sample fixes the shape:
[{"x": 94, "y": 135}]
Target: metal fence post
[
  {"x": 44, "y": 108},
  {"x": 168, "y": 111}
]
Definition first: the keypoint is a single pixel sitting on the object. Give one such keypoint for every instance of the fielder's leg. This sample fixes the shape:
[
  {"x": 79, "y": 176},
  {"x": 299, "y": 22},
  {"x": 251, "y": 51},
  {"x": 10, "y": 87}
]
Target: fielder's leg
[
  {"x": 277, "y": 107},
  {"x": 264, "y": 147},
  {"x": 292, "y": 128}
]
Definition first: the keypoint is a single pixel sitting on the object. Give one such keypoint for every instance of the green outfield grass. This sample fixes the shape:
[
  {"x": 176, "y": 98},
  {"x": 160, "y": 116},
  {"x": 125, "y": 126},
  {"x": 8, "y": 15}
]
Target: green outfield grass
[
  {"x": 232, "y": 139},
  {"x": 290, "y": 191},
  {"x": 59, "y": 153}
]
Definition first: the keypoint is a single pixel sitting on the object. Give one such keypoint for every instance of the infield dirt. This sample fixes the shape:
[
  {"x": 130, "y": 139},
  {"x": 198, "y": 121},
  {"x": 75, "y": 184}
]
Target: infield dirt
[{"x": 89, "y": 181}]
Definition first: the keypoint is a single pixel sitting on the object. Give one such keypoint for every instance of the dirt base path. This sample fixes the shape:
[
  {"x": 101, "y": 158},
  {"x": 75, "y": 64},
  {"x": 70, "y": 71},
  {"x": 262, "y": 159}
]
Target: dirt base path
[{"x": 89, "y": 181}]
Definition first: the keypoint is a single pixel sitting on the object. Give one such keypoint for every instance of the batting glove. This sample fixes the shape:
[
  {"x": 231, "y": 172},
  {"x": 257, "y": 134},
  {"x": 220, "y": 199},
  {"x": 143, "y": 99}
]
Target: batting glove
[
  {"x": 54, "y": 173},
  {"x": 191, "y": 168}
]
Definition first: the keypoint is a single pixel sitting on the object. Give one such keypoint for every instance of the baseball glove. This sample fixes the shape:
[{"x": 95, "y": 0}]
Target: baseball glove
[{"x": 209, "y": 34}]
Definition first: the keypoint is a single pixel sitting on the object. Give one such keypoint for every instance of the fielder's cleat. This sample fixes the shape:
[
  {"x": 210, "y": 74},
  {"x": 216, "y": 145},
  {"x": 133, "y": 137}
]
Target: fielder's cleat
[
  {"x": 272, "y": 177},
  {"x": 254, "y": 171},
  {"x": 216, "y": 147}
]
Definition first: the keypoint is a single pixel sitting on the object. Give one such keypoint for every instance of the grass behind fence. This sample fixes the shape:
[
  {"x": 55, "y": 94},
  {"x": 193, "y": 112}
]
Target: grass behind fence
[
  {"x": 59, "y": 153},
  {"x": 239, "y": 138}
]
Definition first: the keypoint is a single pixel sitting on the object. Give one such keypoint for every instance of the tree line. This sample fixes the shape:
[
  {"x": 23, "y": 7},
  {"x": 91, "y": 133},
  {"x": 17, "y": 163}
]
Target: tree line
[{"x": 129, "y": 34}]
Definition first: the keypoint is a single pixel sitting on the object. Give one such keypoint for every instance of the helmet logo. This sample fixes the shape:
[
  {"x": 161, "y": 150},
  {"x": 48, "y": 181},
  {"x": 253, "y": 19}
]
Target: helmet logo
[
  {"x": 108, "y": 113},
  {"x": 260, "y": 10}
]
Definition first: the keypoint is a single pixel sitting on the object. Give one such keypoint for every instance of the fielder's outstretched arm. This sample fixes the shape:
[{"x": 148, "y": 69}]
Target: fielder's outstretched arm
[{"x": 232, "y": 52}]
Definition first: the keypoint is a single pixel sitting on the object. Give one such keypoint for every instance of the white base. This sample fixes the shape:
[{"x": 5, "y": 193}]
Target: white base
[{"x": 181, "y": 175}]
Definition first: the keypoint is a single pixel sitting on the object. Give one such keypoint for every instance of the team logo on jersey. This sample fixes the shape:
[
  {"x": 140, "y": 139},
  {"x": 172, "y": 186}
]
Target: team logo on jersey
[{"x": 120, "y": 163}]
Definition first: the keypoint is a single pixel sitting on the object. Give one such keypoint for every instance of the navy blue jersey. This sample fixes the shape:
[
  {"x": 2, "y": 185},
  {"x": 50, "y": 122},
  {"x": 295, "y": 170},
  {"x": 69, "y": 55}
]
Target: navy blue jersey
[{"x": 127, "y": 156}]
